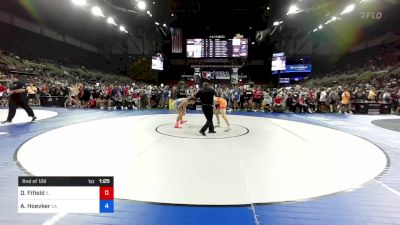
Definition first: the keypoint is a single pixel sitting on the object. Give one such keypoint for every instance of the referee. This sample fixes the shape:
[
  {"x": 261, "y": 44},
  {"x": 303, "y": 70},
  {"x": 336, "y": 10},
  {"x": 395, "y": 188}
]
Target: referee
[
  {"x": 206, "y": 95},
  {"x": 18, "y": 98}
]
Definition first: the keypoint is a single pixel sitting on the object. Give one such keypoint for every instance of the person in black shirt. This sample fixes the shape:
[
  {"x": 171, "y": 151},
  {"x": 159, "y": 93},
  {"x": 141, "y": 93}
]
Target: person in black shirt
[
  {"x": 206, "y": 96},
  {"x": 18, "y": 98},
  {"x": 249, "y": 99},
  {"x": 181, "y": 92}
]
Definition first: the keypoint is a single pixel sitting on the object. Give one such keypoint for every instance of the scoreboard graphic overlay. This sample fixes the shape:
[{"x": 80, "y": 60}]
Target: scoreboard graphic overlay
[{"x": 65, "y": 194}]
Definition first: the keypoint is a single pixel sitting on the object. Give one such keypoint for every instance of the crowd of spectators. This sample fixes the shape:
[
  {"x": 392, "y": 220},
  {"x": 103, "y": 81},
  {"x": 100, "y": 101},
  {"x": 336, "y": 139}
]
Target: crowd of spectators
[
  {"x": 78, "y": 90},
  {"x": 301, "y": 99},
  {"x": 363, "y": 65}
]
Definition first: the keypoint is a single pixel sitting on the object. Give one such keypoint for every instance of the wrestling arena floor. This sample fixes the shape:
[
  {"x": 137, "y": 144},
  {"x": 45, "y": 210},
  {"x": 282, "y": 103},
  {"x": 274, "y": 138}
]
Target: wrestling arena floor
[{"x": 273, "y": 169}]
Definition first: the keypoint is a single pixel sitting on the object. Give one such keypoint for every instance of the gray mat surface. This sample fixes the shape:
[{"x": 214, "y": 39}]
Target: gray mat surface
[{"x": 391, "y": 124}]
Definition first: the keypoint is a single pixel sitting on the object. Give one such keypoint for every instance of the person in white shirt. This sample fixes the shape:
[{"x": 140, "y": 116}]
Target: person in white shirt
[{"x": 323, "y": 98}]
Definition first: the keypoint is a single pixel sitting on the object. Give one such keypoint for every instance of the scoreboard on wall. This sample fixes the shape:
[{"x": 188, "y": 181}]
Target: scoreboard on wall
[
  {"x": 217, "y": 48},
  {"x": 65, "y": 194}
]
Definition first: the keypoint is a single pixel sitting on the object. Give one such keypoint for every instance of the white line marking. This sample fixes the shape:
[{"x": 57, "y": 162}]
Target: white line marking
[
  {"x": 53, "y": 220},
  {"x": 388, "y": 188},
  {"x": 253, "y": 209}
]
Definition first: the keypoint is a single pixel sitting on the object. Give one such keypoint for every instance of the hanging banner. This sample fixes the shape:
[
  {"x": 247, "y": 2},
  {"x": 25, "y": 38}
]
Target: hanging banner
[
  {"x": 217, "y": 75},
  {"x": 197, "y": 75},
  {"x": 187, "y": 76},
  {"x": 235, "y": 76},
  {"x": 222, "y": 75}
]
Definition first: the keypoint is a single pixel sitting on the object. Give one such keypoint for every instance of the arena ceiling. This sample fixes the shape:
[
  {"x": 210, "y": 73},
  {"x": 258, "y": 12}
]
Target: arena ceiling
[
  {"x": 362, "y": 22},
  {"x": 238, "y": 16},
  {"x": 78, "y": 22},
  {"x": 211, "y": 16},
  {"x": 208, "y": 16}
]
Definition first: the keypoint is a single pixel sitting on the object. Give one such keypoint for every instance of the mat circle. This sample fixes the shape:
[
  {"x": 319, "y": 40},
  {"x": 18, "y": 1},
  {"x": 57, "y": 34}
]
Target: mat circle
[{"x": 191, "y": 131}]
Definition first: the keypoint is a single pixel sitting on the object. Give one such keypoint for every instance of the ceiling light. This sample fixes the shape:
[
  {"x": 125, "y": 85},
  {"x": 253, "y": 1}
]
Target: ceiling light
[
  {"x": 293, "y": 9},
  {"x": 348, "y": 9},
  {"x": 97, "y": 11},
  {"x": 141, "y": 5},
  {"x": 79, "y": 2},
  {"x": 111, "y": 20}
]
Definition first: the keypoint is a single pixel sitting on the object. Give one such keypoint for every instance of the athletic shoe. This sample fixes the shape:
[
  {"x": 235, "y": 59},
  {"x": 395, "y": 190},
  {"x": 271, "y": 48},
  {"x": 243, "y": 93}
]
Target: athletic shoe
[
  {"x": 217, "y": 125},
  {"x": 183, "y": 121},
  {"x": 33, "y": 119},
  {"x": 178, "y": 126},
  {"x": 228, "y": 129},
  {"x": 212, "y": 132},
  {"x": 4, "y": 122},
  {"x": 202, "y": 132}
]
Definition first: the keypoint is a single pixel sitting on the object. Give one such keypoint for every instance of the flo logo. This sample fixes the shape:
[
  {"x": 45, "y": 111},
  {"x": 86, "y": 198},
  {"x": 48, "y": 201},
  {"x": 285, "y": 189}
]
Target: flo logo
[
  {"x": 219, "y": 75},
  {"x": 371, "y": 15}
]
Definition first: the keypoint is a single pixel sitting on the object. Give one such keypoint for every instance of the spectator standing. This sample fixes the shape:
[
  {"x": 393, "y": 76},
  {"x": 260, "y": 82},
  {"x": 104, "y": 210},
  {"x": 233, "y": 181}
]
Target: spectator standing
[
  {"x": 3, "y": 95},
  {"x": 323, "y": 98},
  {"x": 84, "y": 95},
  {"x": 257, "y": 97},
  {"x": 372, "y": 95},
  {"x": 181, "y": 92},
  {"x": 147, "y": 99},
  {"x": 290, "y": 103},
  {"x": 236, "y": 99},
  {"x": 166, "y": 95},
  {"x": 333, "y": 99},
  {"x": 301, "y": 103},
  {"x": 387, "y": 99},
  {"x": 248, "y": 94},
  {"x": 311, "y": 101},
  {"x": 32, "y": 91},
  {"x": 345, "y": 103},
  {"x": 277, "y": 106},
  {"x": 153, "y": 98}
]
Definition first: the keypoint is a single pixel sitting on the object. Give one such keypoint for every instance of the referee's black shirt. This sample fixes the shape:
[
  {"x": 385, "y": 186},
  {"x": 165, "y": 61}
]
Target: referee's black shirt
[
  {"x": 18, "y": 96},
  {"x": 206, "y": 96}
]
